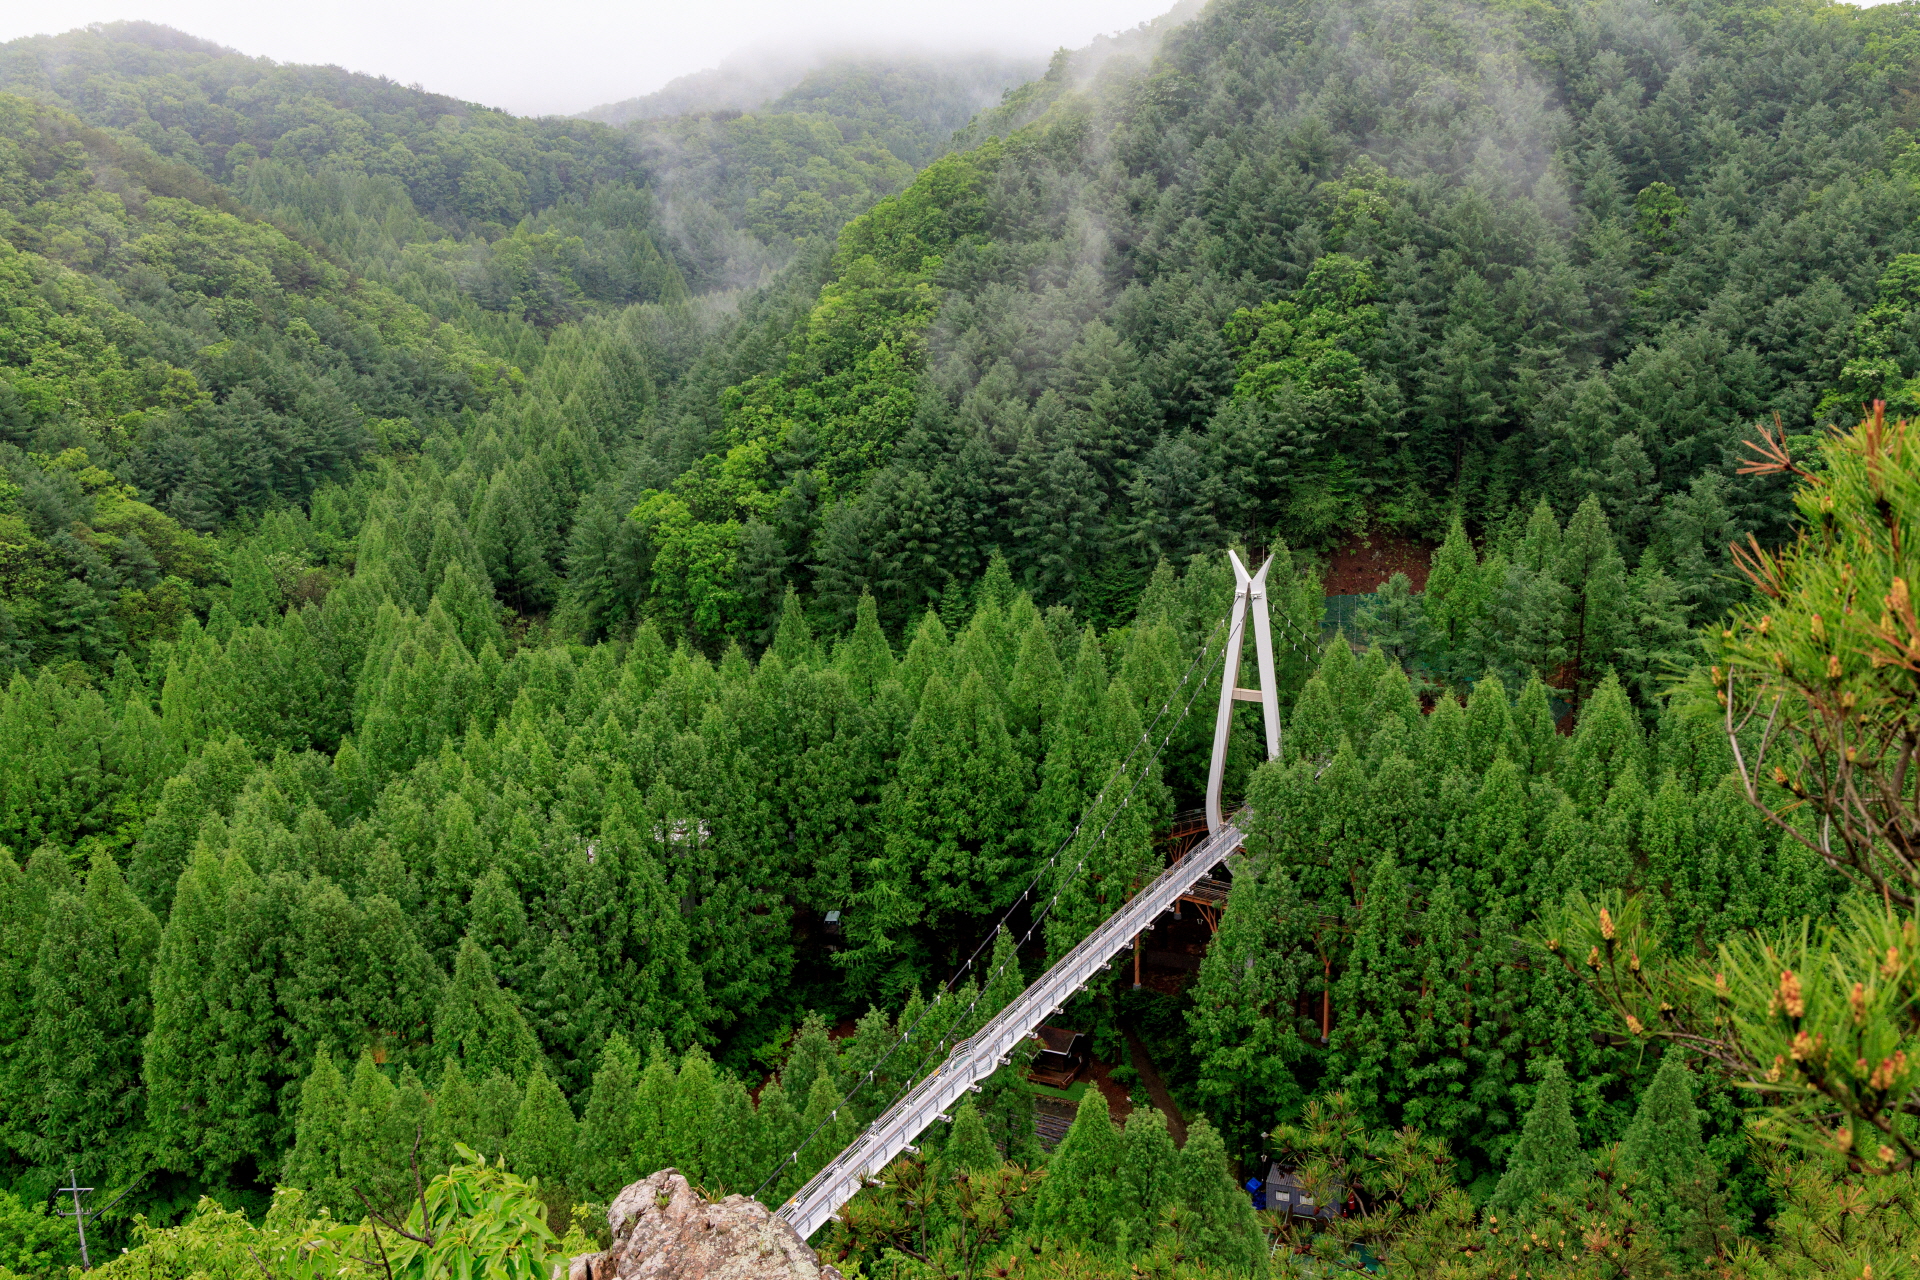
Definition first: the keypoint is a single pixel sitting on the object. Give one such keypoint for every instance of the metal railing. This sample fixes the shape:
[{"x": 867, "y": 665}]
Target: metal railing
[{"x": 983, "y": 1053}]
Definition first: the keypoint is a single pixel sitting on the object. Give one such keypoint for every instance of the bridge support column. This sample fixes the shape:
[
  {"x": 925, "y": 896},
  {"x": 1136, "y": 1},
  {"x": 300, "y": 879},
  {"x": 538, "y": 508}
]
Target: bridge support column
[{"x": 1249, "y": 604}]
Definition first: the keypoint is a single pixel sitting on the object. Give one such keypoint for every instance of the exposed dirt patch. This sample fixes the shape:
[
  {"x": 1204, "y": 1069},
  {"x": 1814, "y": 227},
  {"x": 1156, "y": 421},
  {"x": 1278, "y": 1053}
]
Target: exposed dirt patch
[
  {"x": 1157, "y": 1089},
  {"x": 1363, "y": 564},
  {"x": 1119, "y": 1099}
]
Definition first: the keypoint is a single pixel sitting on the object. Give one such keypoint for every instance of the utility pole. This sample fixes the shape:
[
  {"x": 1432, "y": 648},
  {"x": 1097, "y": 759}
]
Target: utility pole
[{"x": 78, "y": 1215}]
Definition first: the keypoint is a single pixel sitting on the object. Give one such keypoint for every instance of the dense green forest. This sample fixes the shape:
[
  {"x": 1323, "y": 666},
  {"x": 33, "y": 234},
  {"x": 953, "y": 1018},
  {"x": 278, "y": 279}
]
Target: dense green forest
[{"x": 478, "y": 592}]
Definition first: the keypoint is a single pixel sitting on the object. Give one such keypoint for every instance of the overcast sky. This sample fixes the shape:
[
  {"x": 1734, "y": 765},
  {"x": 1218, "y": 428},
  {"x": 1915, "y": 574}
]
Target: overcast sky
[{"x": 567, "y": 55}]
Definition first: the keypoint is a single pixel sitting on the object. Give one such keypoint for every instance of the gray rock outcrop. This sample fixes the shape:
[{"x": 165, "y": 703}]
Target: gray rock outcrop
[{"x": 665, "y": 1230}]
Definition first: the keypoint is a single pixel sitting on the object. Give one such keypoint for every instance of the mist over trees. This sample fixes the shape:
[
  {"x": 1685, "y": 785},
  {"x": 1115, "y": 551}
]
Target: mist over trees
[{"x": 477, "y": 593}]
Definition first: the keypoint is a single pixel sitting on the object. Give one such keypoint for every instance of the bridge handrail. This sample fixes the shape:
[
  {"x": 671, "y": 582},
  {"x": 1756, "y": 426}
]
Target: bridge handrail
[{"x": 977, "y": 1056}]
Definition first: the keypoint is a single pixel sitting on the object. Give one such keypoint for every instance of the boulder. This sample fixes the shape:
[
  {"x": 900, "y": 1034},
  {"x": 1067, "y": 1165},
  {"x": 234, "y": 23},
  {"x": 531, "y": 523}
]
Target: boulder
[{"x": 665, "y": 1230}]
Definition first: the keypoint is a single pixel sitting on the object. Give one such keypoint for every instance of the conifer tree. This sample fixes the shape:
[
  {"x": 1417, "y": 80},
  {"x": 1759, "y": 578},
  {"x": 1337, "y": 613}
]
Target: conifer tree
[
  {"x": 652, "y": 1125},
  {"x": 92, "y": 1010},
  {"x": 544, "y": 1137},
  {"x": 690, "y": 1121},
  {"x": 780, "y": 1136},
  {"x": 826, "y": 1127},
  {"x": 969, "y": 1148},
  {"x": 605, "y": 1150},
  {"x": 1372, "y": 1035},
  {"x": 1594, "y": 583},
  {"x": 1149, "y": 1171},
  {"x": 256, "y": 596},
  {"x": 1258, "y": 966},
  {"x": 927, "y": 656},
  {"x": 1547, "y": 1159},
  {"x": 376, "y": 1143},
  {"x": 1663, "y": 1142},
  {"x": 1223, "y": 1227},
  {"x": 1445, "y": 745},
  {"x": 812, "y": 1055},
  {"x": 1488, "y": 725},
  {"x": 23, "y": 913},
  {"x": 1454, "y": 601},
  {"x": 865, "y": 656},
  {"x": 738, "y": 1154},
  {"x": 1607, "y": 741},
  {"x": 182, "y": 1050},
  {"x": 1314, "y": 729},
  {"x": 469, "y": 608},
  {"x": 793, "y": 640},
  {"x": 1034, "y": 690},
  {"x": 1081, "y": 1198},
  {"x": 321, "y": 1137},
  {"x": 478, "y": 1025},
  {"x": 1533, "y": 743},
  {"x": 456, "y": 1117}
]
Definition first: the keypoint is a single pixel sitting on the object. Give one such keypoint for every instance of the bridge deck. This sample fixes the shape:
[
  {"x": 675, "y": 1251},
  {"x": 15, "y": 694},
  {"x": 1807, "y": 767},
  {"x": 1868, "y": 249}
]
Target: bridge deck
[{"x": 977, "y": 1057}]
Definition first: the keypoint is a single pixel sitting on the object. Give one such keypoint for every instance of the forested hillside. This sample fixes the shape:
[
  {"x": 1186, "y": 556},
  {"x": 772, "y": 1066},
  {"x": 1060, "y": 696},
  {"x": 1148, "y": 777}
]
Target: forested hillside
[{"x": 478, "y": 593}]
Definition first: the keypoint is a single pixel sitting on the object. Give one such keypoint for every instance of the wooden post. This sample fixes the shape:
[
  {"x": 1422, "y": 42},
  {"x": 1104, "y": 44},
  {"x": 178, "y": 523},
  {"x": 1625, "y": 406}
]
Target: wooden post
[{"x": 1138, "y": 938}]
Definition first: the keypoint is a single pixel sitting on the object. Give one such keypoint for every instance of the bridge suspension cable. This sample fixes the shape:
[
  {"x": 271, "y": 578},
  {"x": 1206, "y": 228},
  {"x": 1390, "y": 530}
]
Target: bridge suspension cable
[
  {"x": 947, "y": 987},
  {"x": 804, "y": 1210}
]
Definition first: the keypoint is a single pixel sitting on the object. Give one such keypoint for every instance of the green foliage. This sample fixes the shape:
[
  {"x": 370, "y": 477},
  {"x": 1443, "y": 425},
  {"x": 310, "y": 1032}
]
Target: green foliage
[
  {"x": 1547, "y": 1159},
  {"x": 32, "y": 1240}
]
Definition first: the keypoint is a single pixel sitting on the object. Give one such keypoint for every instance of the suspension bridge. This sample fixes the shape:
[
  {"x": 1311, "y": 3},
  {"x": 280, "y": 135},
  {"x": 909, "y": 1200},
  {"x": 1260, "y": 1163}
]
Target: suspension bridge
[{"x": 974, "y": 1059}]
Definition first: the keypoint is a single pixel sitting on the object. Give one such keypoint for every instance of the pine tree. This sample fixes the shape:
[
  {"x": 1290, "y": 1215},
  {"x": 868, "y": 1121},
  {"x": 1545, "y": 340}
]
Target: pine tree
[
  {"x": 1223, "y": 1229},
  {"x": 1547, "y": 1160}
]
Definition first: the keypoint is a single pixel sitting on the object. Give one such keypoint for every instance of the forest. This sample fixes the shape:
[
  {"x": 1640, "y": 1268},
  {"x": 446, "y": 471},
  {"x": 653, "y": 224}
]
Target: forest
[{"x": 539, "y": 650}]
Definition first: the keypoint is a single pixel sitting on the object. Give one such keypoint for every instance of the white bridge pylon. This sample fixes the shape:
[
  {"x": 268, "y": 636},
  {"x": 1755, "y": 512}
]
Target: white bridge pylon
[
  {"x": 980, "y": 1055},
  {"x": 1249, "y": 598}
]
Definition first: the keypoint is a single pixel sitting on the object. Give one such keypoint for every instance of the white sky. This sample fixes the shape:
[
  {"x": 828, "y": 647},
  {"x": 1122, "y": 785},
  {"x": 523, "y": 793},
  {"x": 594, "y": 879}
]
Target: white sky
[{"x": 564, "y": 56}]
